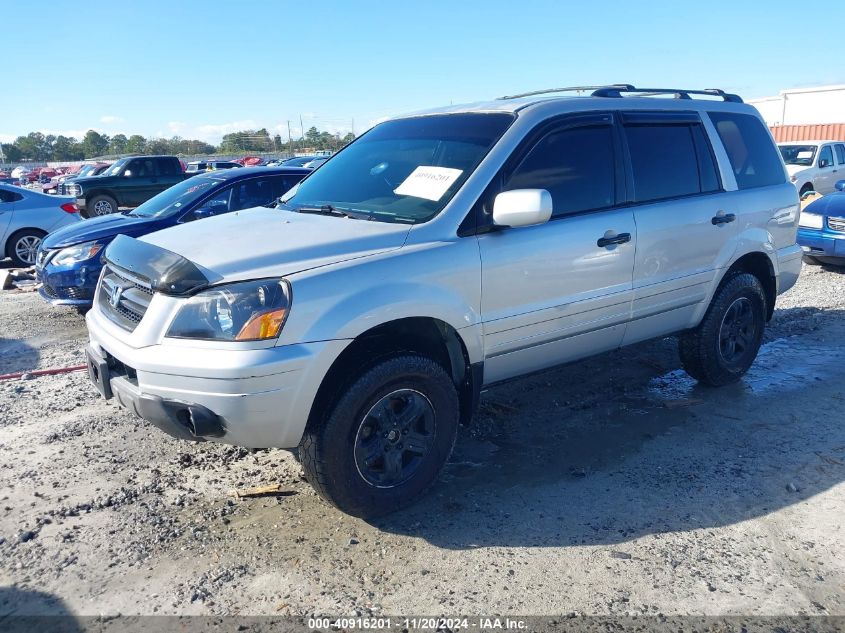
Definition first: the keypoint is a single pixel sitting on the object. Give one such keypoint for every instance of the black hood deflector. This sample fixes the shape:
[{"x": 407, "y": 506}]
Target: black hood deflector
[{"x": 165, "y": 271}]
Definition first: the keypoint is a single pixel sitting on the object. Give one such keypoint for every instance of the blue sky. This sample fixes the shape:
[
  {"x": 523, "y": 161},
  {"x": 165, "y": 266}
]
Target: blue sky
[{"x": 201, "y": 69}]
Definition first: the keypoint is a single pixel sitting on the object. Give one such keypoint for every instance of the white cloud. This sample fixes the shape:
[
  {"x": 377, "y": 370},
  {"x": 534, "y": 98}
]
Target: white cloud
[
  {"x": 7, "y": 138},
  {"x": 110, "y": 118}
]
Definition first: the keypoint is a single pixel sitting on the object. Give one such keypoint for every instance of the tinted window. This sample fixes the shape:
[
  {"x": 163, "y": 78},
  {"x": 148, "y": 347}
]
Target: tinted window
[
  {"x": 840, "y": 154},
  {"x": 9, "y": 196},
  {"x": 576, "y": 166},
  {"x": 753, "y": 157},
  {"x": 168, "y": 167},
  {"x": 142, "y": 168},
  {"x": 826, "y": 155},
  {"x": 663, "y": 160},
  {"x": 708, "y": 173}
]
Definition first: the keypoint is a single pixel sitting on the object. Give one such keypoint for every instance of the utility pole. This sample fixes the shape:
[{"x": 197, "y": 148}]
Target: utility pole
[
  {"x": 301, "y": 128},
  {"x": 290, "y": 141},
  {"x": 353, "y": 126}
]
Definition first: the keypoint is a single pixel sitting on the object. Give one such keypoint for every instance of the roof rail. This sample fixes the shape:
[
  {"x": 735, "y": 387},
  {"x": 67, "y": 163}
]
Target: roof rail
[
  {"x": 626, "y": 87},
  {"x": 617, "y": 90}
]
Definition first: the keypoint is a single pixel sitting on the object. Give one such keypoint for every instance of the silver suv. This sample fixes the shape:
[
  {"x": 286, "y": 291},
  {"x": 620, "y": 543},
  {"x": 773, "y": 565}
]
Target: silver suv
[{"x": 358, "y": 321}]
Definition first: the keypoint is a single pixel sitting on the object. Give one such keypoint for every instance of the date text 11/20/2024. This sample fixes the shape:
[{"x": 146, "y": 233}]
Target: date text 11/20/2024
[{"x": 420, "y": 623}]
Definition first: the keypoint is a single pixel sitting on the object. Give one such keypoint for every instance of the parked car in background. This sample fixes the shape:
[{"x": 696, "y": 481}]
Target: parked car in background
[
  {"x": 127, "y": 183},
  {"x": 26, "y": 216},
  {"x": 298, "y": 161},
  {"x": 354, "y": 328},
  {"x": 814, "y": 165},
  {"x": 200, "y": 166},
  {"x": 69, "y": 261},
  {"x": 821, "y": 231},
  {"x": 313, "y": 164},
  {"x": 94, "y": 169}
]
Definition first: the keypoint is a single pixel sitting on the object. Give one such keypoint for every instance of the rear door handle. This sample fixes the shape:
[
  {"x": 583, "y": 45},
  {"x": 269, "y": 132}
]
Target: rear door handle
[
  {"x": 723, "y": 219},
  {"x": 616, "y": 239}
]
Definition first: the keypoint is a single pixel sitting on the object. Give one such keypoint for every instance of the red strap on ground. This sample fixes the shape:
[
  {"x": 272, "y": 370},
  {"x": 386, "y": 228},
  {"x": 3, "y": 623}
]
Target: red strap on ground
[{"x": 43, "y": 372}]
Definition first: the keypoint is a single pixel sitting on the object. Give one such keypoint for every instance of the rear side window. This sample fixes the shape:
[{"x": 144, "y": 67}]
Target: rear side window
[
  {"x": 9, "y": 196},
  {"x": 669, "y": 161},
  {"x": 167, "y": 167},
  {"x": 840, "y": 154},
  {"x": 576, "y": 166},
  {"x": 753, "y": 156}
]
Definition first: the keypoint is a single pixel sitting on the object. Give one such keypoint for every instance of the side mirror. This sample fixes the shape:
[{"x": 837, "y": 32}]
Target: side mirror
[
  {"x": 840, "y": 185},
  {"x": 522, "y": 207},
  {"x": 823, "y": 163},
  {"x": 127, "y": 173},
  {"x": 204, "y": 212}
]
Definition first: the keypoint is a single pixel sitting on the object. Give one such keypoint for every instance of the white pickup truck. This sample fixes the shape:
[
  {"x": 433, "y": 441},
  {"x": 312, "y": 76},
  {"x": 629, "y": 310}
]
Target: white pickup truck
[{"x": 814, "y": 165}]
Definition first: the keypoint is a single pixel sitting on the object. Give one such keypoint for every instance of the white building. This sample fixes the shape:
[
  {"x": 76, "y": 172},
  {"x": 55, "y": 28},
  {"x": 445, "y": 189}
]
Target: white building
[{"x": 803, "y": 106}]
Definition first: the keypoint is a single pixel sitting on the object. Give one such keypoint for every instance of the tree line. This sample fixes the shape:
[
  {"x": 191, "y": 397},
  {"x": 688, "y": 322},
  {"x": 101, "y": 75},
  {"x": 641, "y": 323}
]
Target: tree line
[{"x": 36, "y": 146}]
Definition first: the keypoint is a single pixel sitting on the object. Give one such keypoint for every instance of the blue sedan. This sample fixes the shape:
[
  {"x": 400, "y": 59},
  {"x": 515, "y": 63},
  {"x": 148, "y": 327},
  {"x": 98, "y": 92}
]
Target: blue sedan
[
  {"x": 69, "y": 260},
  {"x": 821, "y": 230}
]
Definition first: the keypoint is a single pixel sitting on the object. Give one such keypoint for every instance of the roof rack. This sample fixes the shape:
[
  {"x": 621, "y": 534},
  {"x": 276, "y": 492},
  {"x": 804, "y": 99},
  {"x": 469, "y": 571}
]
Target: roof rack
[{"x": 617, "y": 90}]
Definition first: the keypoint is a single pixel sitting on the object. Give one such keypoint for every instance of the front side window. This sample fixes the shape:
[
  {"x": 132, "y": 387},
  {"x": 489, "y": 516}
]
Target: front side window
[
  {"x": 575, "y": 165},
  {"x": 826, "y": 157},
  {"x": 405, "y": 170},
  {"x": 750, "y": 149},
  {"x": 667, "y": 163}
]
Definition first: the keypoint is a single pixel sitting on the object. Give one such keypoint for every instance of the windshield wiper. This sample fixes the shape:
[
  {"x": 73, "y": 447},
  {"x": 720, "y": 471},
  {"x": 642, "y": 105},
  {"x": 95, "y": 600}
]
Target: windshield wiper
[{"x": 328, "y": 209}]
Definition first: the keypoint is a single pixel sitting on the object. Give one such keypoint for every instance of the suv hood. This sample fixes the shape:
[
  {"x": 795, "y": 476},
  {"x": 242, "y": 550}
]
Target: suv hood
[
  {"x": 102, "y": 228},
  {"x": 263, "y": 242}
]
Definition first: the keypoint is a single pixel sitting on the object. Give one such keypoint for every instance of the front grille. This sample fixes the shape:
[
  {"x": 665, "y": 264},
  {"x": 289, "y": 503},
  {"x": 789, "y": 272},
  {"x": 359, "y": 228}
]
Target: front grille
[
  {"x": 124, "y": 299},
  {"x": 48, "y": 290},
  {"x": 836, "y": 224}
]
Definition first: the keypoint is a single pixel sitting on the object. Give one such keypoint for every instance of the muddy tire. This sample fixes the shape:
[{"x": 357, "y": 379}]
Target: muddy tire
[
  {"x": 385, "y": 438},
  {"x": 724, "y": 345},
  {"x": 100, "y": 205}
]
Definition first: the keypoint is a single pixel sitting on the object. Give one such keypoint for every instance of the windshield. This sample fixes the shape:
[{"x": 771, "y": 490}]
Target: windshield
[
  {"x": 405, "y": 170},
  {"x": 115, "y": 169},
  {"x": 798, "y": 154},
  {"x": 176, "y": 198},
  {"x": 86, "y": 169}
]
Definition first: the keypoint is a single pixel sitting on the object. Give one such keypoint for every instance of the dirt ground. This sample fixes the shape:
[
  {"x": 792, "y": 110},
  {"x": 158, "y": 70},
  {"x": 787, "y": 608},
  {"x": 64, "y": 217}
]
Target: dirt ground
[{"x": 611, "y": 486}]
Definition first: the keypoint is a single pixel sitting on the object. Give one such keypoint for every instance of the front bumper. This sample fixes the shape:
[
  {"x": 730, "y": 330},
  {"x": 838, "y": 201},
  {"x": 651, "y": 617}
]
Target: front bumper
[
  {"x": 72, "y": 285},
  {"x": 257, "y": 398},
  {"x": 821, "y": 243}
]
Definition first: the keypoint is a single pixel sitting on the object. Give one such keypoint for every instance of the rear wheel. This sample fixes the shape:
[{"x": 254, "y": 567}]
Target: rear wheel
[
  {"x": 723, "y": 347},
  {"x": 22, "y": 246},
  {"x": 100, "y": 205},
  {"x": 385, "y": 439}
]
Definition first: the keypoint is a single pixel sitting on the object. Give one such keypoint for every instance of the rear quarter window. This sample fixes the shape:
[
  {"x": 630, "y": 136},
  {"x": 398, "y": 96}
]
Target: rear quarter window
[{"x": 754, "y": 159}]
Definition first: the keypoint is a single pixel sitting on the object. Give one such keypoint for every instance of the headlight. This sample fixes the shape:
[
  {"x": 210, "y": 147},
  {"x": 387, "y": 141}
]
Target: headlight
[
  {"x": 78, "y": 253},
  {"x": 245, "y": 311},
  {"x": 810, "y": 220}
]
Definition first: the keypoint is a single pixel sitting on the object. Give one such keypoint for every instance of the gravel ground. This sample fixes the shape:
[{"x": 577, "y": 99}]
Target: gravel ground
[{"x": 611, "y": 486}]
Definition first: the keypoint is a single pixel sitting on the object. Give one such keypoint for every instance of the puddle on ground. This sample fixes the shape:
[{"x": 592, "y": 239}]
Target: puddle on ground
[{"x": 784, "y": 364}]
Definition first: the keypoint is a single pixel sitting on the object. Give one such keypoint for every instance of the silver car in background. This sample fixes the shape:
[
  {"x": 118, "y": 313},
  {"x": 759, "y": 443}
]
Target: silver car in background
[{"x": 26, "y": 216}]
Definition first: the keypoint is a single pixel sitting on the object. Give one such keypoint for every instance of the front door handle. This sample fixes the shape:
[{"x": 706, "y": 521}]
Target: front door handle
[
  {"x": 616, "y": 239},
  {"x": 723, "y": 219}
]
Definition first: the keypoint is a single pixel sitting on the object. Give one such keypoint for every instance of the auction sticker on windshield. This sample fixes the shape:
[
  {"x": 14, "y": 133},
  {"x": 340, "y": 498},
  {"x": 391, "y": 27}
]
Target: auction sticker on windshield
[
  {"x": 428, "y": 182},
  {"x": 806, "y": 154}
]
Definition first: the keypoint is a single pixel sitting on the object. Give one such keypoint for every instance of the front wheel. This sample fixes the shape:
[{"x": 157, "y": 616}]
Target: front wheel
[
  {"x": 385, "y": 439},
  {"x": 724, "y": 345},
  {"x": 100, "y": 205}
]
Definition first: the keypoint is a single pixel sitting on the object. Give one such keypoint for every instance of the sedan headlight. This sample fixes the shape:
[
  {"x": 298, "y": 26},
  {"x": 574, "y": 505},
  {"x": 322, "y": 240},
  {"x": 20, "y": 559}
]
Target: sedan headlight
[
  {"x": 78, "y": 253},
  {"x": 244, "y": 311}
]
